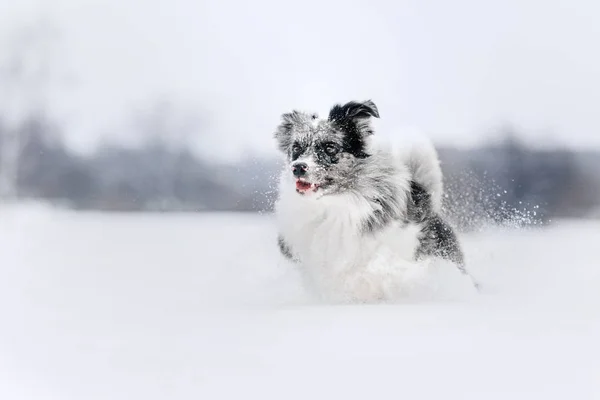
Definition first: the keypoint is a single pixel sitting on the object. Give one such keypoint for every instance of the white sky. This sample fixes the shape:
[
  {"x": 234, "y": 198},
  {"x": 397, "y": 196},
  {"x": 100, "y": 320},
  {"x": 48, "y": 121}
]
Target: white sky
[{"x": 453, "y": 69}]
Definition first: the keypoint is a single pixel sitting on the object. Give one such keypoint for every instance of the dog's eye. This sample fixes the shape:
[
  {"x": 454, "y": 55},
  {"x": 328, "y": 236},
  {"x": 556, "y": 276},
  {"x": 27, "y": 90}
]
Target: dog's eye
[
  {"x": 331, "y": 149},
  {"x": 296, "y": 149}
]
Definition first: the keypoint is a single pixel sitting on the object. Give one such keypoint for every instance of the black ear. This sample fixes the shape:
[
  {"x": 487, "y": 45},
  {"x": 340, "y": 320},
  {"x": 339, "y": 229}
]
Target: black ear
[
  {"x": 352, "y": 111},
  {"x": 283, "y": 134},
  {"x": 354, "y": 119}
]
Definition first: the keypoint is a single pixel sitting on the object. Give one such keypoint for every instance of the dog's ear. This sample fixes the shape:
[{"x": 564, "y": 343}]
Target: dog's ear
[
  {"x": 283, "y": 134},
  {"x": 353, "y": 111},
  {"x": 353, "y": 118}
]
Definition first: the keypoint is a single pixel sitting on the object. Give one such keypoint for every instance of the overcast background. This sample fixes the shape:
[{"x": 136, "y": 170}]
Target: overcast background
[
  {"x": 146, "y": 105},
  {"x": 451, "y": 69}
]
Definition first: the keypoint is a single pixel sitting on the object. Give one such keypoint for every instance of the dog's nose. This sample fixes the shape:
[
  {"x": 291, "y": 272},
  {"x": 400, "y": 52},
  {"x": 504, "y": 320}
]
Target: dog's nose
[{"x": 299, "y": 169}]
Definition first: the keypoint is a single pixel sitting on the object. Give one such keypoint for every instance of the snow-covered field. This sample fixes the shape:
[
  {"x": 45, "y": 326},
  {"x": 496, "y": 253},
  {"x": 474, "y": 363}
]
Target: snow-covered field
[{"x": 122, "y": 306}]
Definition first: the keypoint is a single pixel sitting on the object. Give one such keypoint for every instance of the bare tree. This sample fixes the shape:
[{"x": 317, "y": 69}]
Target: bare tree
[
  {"x": 168, "y": 131},
  {"x": 26, "y": 76}
]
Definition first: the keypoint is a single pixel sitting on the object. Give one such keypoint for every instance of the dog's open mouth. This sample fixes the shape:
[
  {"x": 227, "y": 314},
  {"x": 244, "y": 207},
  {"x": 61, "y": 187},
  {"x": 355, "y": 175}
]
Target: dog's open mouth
[{"x": 303, "y": 186}]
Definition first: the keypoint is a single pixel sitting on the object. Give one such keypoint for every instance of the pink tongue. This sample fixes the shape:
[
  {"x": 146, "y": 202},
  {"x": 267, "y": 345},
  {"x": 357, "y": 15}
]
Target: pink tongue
[{"x": 302, "y": 185}]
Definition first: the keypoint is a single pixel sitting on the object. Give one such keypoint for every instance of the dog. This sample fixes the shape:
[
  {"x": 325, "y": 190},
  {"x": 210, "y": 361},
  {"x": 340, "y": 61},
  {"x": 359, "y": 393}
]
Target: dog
[{"x": 355, "y": 215}]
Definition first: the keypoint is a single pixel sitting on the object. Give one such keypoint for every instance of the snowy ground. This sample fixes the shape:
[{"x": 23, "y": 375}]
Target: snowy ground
[{"x": 147, "y": 307}]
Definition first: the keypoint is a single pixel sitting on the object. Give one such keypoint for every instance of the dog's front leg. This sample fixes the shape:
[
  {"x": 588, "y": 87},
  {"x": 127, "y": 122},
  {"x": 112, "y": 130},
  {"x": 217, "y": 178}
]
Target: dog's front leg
[{"x": 285, "y": 249}]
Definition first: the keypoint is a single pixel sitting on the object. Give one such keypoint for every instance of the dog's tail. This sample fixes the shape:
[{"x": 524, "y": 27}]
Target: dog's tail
[
  {"x": 423, "y": 162},
  {"x": 420, "y": 158},
  {"x": 418, "y": 155}
]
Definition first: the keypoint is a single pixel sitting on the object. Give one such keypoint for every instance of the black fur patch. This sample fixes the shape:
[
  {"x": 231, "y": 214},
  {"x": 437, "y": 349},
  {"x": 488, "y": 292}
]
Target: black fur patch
[
  {"x": 297, "y": 150},
  {"x": 353, "y": 110},
  {"x": 420, "y": 203},
  {"x": 325, "y": 157},
  {"x": 284, "y": 248},
  {"x": 439, "y": 240},
  {"x": 354, "y": 144},
  {"x": 437, "y": 237},
  {"x": 352, "y": 119}
]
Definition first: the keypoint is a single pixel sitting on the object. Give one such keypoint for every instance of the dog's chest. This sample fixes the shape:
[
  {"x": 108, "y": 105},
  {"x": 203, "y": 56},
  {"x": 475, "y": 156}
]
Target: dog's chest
[
  {"x": 328, "y": 237},
  {"x": 319, "y": 231},
  {"x": 324, "y": 238},
  {"x": 337, "y": 256}
]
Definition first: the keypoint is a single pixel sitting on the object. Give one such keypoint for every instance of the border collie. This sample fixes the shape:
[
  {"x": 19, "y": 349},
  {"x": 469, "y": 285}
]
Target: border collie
[{"x": 358, "y": 217}]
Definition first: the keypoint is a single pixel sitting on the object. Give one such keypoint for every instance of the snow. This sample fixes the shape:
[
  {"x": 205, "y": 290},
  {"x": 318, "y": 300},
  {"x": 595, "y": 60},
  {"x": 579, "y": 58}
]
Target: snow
[{"x": 200, "y": 306}]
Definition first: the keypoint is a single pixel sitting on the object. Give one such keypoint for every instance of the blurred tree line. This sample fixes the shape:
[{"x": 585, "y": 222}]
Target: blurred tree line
[
  {"x": 510, "y": 182},
  {"x": 153, "y": 176},
  {"x": 505, "y": 181},
  {"x": 500, "y": 182}
]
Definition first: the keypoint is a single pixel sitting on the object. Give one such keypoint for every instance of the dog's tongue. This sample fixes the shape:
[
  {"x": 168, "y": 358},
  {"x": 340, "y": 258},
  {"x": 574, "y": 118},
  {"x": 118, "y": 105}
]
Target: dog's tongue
[{"x": 303, "y": 186}]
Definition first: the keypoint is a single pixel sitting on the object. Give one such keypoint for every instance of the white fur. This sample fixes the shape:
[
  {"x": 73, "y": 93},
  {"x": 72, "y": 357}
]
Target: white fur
[
  {"x": 325, "y": 235},
  {"x": 421, "y": 158}
]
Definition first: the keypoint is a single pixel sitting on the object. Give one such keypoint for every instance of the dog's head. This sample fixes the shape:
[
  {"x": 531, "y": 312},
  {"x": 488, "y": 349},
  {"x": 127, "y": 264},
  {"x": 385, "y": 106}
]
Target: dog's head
[{"x": 322, "y": 153}]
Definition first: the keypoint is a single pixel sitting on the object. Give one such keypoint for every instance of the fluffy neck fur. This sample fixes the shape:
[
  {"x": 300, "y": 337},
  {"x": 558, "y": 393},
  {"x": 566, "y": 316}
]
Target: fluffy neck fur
[{"x": 376, "y": 198}]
